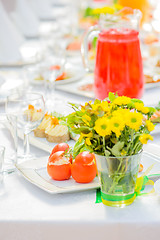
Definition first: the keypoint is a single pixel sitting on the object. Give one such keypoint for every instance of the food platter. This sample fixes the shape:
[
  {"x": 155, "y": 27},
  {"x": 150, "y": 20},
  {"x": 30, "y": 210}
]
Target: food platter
[
  {"x": 74, "y": 74},
  {"x": 35, "y": 171},
  {"x": 42, "y": 143}
]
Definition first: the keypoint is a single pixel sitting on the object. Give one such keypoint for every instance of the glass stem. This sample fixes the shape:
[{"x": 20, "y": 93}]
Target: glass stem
[
  {"x": 49, "y": 89},
  {"x": 26, "y": 144}
]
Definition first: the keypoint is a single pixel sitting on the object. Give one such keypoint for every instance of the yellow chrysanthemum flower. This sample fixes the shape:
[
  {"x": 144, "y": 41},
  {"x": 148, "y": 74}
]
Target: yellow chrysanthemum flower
[
  {"x": 83, "y": 135},
  {"x": 144, "y": 138},
  {"x": 104, "y": 106},
  {"x": 122, "y": 100},
  {"x": 150, "y": 125},
  {"x": 104, "y": 10},
  {"x": 139, "y": 106},
  {"x": 145, "y": 110},
  {"x": 102, "y": 126},
  {"x": 88, "y": 142},
  {"x": 96, "y": 106},
  {"x": 121, "y": 113},
  {"x": 123, "y": 152},
  {"x": 134, "y": 120},
  {"x": 117, "y": 125}
]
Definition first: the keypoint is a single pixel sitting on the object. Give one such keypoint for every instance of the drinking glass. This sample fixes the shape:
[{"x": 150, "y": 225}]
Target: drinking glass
[
  {"x": 52, "y": 70},
  {"x": 8, "y": 133},
  {"x": 30, "y": 109}
]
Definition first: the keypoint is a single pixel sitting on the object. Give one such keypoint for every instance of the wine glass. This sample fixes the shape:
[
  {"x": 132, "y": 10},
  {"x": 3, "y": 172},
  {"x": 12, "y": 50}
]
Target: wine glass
[
  {"x": 30, "y": 109},
  {"x": 52, "y": 70}
]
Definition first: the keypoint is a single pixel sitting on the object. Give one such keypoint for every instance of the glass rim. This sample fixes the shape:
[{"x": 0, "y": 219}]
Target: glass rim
[
  {"x": 17, "y": 95},
  {"x": 125, "y": 156}
]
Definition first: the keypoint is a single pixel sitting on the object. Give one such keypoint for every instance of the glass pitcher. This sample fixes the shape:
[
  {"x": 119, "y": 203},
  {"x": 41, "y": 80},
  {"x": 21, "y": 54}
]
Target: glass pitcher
[{"x": 118, "y": 65}]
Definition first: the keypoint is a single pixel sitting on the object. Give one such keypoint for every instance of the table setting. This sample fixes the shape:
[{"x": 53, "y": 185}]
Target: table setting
[{"x": 79, "y": 119}]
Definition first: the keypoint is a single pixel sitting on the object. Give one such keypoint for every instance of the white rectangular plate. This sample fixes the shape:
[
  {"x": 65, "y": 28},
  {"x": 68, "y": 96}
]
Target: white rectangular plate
[
  {"x": 35, "y": 171},
  {"x": 42, "y": 143}
]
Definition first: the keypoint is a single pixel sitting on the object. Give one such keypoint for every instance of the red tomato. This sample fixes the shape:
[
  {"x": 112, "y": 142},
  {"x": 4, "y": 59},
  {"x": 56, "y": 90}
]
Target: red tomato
[
  {"x": 84, "y": 170},
  {"x": 61, "y": 147},
  {"x": 59, "y": 167},
  {"x": 85, "y": 157}
]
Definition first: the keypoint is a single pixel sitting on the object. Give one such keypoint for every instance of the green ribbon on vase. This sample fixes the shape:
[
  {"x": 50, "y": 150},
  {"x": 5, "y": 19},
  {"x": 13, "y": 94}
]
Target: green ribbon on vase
[{"x": 125, "y": 199}]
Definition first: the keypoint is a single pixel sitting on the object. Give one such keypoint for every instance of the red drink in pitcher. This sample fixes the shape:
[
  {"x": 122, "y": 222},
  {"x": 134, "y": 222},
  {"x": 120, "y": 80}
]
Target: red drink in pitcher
[{"x": 118, "y": 65}]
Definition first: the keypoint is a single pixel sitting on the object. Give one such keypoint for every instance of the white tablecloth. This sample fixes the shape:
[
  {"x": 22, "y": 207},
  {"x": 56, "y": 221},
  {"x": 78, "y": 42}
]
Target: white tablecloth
[{"x": 29, "y": 213}]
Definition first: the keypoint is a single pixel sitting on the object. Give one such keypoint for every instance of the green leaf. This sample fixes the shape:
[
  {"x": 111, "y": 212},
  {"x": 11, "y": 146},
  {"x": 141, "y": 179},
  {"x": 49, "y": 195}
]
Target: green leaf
[
  {"x": 107, "y": 153},
  {"x": 111, "y": 96},
  {"x": 151, "y": 109},
  {"x": 88, "y": 12},
  {"x": 74, "y": 105},
  {"x": 134, "y": 100},
  {"x": 116, "y": 149},
  {"x": 97, "y": 101},
  {"x": 77, "y": 147}
]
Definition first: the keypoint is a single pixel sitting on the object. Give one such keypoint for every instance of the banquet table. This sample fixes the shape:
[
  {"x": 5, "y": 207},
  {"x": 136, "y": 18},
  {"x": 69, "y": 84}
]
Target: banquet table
[{"x": 28, "y": 212}]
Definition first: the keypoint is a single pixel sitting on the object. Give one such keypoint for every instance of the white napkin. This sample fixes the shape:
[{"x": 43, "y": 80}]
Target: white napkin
[
  {"x": 10, "y": 39},
  {"x": 25, "y": 19},
  {"x": 42, "y": 8}
]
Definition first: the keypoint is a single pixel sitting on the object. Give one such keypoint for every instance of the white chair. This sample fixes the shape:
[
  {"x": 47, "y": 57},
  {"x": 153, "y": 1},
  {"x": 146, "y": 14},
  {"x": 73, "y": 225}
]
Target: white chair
[
  {"x": 10, "y": 39},
  {"x": 25, "y": 19}
]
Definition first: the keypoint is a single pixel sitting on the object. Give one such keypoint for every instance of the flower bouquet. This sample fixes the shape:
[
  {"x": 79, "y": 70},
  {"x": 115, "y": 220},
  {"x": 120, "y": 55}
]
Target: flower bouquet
[{"x": 115, "y": 129}]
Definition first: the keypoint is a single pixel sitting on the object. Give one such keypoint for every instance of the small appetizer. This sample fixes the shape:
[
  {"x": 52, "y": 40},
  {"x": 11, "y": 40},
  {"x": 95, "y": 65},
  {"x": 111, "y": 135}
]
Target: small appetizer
[
  {"x": 33, "y": 114},
  {"x": 47, "y": 121},
  {"x": 83, "y": 169},
  {"x": 59, "y": 167},
  {"x": 57, "y": 133}
]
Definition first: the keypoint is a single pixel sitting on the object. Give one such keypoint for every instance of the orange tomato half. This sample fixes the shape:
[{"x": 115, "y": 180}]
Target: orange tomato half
[
  {"x": 83, "y": 170},
  {"x": 59, "y": 167}
]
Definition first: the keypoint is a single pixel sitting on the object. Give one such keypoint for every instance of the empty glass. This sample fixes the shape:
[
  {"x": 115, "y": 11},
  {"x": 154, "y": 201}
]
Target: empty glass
[{"x": 29, "y": 109}]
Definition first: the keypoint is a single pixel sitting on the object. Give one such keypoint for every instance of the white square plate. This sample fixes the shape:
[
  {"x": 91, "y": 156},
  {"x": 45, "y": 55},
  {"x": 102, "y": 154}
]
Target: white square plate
[{"x": 35, "y": 171}]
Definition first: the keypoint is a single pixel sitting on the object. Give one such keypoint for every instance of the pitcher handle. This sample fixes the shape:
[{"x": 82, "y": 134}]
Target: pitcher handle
[{"x": 84, "y": 47}]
